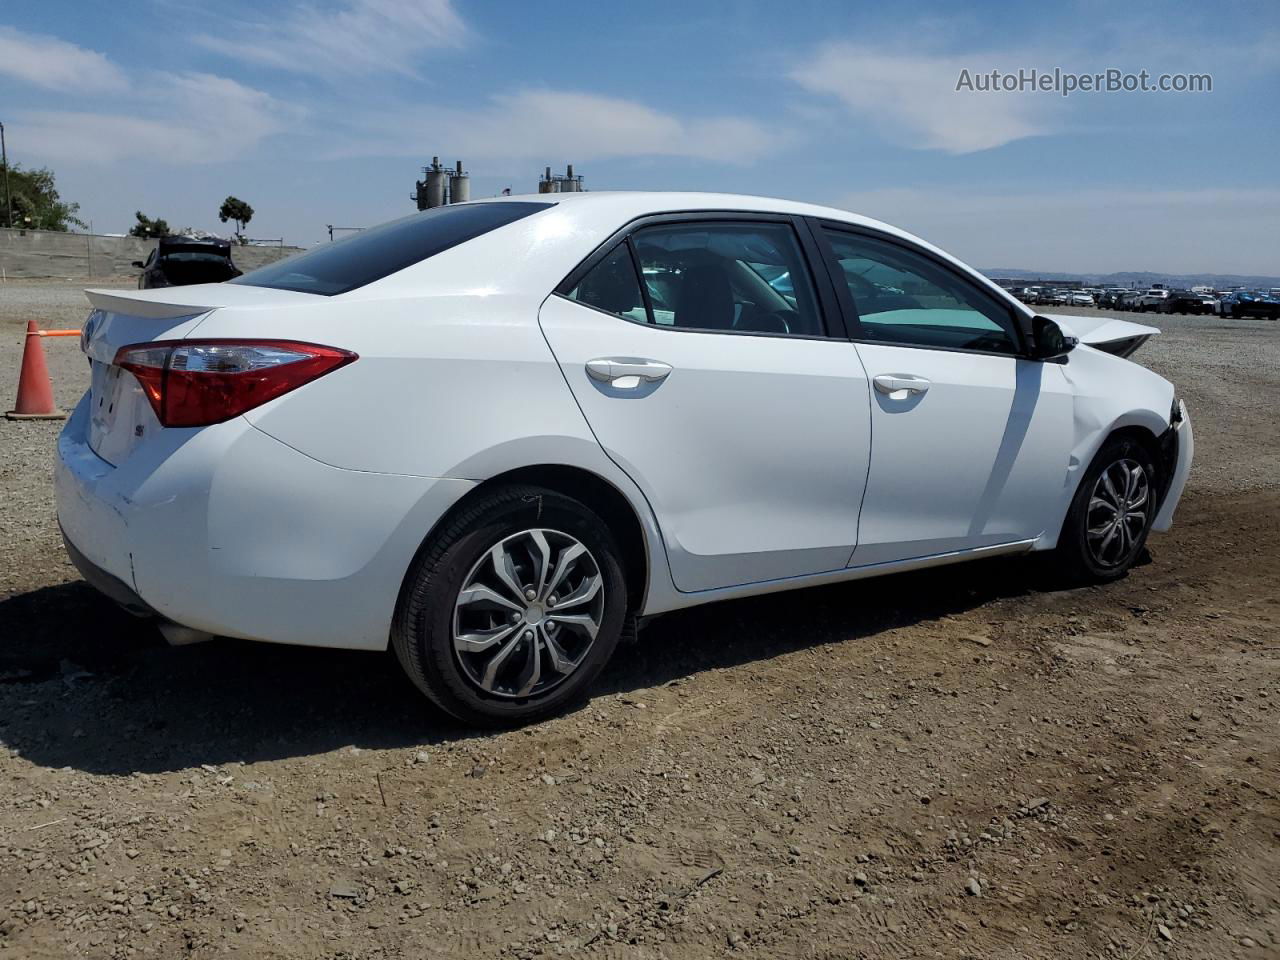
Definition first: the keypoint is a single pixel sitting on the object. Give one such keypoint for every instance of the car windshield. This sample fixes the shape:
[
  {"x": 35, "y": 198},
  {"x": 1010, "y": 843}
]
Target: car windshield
[{"x": 381, "y": 251}]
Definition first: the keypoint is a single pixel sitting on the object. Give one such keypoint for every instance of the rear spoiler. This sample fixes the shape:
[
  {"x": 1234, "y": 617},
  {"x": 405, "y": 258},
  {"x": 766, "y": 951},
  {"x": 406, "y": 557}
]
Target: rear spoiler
[
  {"x": 113, "y": 301},
  {"x": 165, "y": 302}
]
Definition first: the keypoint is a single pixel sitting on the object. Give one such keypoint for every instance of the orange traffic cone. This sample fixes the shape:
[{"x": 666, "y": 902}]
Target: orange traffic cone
[{"x": 35, "y": 389}]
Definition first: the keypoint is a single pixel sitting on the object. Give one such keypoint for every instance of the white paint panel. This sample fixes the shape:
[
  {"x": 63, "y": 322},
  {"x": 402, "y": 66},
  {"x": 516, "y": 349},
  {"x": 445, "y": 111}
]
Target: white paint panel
[
  {"x": 978, "y": 459},
  {"x": 752, "y": 452}
]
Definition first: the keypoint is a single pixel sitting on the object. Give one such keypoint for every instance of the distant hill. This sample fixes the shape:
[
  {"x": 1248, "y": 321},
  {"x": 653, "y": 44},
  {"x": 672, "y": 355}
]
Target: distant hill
[{"x": 1220, "y": 281}]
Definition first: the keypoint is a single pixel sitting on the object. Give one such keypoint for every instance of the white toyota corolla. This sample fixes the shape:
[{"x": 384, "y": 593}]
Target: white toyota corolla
[{"x": 495, "y": 435}]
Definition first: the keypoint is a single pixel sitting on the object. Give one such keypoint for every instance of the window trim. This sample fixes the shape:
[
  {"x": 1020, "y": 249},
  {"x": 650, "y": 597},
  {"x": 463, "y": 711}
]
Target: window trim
[
  {"x": 829, "y": 314},
  {"x": 849, "y": 308}
]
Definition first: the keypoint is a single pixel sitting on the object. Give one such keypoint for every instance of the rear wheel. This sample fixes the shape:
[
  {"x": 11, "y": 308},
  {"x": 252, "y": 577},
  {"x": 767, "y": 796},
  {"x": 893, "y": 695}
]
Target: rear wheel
[
  {"x": 1111, "y": 514},
  {"x": 511, "y": 612}
]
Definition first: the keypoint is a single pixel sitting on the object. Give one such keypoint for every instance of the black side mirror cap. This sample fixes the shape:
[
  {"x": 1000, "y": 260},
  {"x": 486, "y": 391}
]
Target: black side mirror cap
[
  {"x": 137, "y": 263},
  {"x": 1048, "y": 342}
]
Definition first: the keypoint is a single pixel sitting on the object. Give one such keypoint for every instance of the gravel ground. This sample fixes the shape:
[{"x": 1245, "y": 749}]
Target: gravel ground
[{"x": 960, "y": 763}]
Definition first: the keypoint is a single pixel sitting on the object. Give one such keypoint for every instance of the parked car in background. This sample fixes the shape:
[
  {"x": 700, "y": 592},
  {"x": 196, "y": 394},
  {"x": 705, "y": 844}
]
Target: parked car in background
[
  {"x": 1152, "y": 300},
  {"x": 1054, "y": 298},
  {"x": 1250, "y": 303},
  {"x": 1081, "y": 299},
  {"x": 1127, "y": 300},
  {"x": 182, "y": 261},
  {"x": 1184, "y": 301},
  {"x": 495, "y": 435}
]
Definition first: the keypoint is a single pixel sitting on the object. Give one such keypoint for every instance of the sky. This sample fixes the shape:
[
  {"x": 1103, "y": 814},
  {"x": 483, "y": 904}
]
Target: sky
[{"x": 322, "y": 112}]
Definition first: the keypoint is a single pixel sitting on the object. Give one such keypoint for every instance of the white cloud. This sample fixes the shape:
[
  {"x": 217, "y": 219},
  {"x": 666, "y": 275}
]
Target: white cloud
[
  {"x": 360, "y": 37},
  {"x": 912, "y": 98},
  {"x": 908, "y": 93},
  {"x": 539, "y": 124},
  {"x": 1089, "y": 230},
  {"x": 197, "y": 118},
  {"x": 54, "y": 64}
]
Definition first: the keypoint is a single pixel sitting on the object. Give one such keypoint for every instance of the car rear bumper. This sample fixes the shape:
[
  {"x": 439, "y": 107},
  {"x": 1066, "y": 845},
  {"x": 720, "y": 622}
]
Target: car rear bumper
[
  {"x": 229, "y": 531},
  {"x": 1184, "y": 442},
  {"x": 111, "y": 586}
]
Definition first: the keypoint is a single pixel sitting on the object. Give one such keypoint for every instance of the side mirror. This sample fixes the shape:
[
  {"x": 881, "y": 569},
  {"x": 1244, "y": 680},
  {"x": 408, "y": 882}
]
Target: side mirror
[
  {"x": 1048, "y": 342},
  {"x": 138, "y": 263}
]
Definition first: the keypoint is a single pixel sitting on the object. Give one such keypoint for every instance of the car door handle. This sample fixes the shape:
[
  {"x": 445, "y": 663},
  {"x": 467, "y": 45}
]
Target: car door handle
[
  {"x": 890, "y": 384},
  {"x": 627, "y": 373}
]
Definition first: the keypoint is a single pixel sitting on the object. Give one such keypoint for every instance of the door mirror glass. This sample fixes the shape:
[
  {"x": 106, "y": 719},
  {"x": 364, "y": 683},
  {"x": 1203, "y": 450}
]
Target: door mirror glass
[{"x": 1048, "y": 340}]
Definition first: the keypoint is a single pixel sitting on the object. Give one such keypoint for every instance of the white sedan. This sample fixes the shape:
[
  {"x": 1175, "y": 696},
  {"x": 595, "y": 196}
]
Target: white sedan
[{"x": 496, "y": 435}]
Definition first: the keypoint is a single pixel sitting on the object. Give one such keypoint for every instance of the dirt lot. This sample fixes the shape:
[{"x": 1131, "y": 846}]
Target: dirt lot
[{"x": 963, "y": 763}]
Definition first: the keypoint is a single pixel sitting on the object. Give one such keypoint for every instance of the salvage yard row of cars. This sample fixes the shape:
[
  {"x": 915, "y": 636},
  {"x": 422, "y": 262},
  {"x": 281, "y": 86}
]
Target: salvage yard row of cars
[{"x": 1157, "y": 299}]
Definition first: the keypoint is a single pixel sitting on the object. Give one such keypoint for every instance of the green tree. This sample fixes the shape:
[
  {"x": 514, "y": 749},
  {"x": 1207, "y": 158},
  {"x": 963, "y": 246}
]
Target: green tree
[
  {"x": 237, "y": 210},
  {"x": 146, "y": 227},
  {"x": 36, "y": 204}
]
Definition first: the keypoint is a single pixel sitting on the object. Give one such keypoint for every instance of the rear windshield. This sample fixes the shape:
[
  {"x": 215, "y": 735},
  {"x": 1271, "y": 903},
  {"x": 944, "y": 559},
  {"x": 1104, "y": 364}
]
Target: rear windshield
[
  {"x": 381, "y": 251},
  {"x": 206, "y": 256}
]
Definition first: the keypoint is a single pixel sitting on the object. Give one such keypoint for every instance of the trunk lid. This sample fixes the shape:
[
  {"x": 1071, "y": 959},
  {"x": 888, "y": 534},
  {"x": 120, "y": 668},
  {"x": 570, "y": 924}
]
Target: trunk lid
[{"x": 120, "y": 416}]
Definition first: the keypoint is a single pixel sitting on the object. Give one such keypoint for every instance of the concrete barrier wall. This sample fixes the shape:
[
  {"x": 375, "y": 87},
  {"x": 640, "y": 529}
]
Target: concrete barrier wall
[{"x": 47, "y": 253}]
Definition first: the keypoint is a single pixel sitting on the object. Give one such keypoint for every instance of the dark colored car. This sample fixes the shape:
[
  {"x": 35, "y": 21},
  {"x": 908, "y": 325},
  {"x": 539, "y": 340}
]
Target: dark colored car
[
  {"x": 181, "y": 261},
  {"x": 1184, "y": 301},
  {"x": 1128, "y": 300},
  {"x": 1246, "y": 303}
]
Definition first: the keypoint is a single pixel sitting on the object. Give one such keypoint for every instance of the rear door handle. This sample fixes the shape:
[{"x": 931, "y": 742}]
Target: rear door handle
[
  {"x": 627, "y": 373},
  {"x": 902, "y": 384}
]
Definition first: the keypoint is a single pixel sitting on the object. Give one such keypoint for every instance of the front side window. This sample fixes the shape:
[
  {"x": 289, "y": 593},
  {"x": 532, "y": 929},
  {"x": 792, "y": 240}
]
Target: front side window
[
  {"x": 381, "y": 251},
  {"x": 744, "y": 277},
  {"x": 904, "y": 297}
]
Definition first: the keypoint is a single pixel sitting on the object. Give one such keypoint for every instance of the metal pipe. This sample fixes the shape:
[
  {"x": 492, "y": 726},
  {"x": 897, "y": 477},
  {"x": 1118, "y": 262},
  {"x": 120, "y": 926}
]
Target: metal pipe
[{"x": 8, "y": 199}]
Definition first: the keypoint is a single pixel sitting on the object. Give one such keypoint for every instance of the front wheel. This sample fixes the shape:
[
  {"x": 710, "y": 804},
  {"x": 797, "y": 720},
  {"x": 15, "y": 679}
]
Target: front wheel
[
  {"x": 1111, "y": 514},
  {"x": 511, "y": 611}
]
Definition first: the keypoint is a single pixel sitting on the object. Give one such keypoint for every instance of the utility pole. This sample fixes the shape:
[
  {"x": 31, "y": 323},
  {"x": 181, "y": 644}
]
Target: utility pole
[{"x": 4, "y": 158}]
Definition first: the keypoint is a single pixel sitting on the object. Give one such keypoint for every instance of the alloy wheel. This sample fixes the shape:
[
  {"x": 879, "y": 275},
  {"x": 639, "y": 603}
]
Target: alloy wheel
[
  {"x": 528, "y": 613},
  {"x": 1118, "y": 511}
]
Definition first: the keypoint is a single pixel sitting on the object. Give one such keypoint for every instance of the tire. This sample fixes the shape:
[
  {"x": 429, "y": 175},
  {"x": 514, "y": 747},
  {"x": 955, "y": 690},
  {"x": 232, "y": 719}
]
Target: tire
[
  {"x": 524, "y": 688},
  {"x": 1078, "y": 556}
]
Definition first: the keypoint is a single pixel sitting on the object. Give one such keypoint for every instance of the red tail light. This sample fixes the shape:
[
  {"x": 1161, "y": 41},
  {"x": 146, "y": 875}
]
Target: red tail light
[{"x": 193, "y": 383}]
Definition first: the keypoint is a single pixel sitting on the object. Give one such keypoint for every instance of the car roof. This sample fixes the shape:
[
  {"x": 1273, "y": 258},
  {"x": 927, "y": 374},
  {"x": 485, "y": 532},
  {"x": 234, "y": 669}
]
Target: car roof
[
  {"x": 619, "y": 207},
  {"x": 643, "y": 202},
  {"x": 575, "y": 224}
]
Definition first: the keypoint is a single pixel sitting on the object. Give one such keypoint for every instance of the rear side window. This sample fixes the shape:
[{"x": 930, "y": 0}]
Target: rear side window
[
  {"x": 729, "y": 277},
  {"x": 383, "y": 250},
  {"x": 611, "y": 286}
]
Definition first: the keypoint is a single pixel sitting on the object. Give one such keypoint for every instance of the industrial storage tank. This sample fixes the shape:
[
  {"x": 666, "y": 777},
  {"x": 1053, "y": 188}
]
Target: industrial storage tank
[
  {"x": 459, "y": 186},
  {"x": 437, "y": 180}
]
